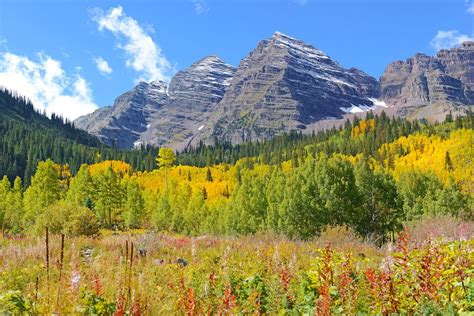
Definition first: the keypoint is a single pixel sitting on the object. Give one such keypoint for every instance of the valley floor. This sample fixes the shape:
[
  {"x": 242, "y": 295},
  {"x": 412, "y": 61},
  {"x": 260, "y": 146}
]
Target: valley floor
[{"x": 163, "y": 274}]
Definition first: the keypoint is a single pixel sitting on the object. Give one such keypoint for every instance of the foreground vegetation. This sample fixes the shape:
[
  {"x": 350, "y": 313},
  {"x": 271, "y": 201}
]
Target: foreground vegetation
[
  {"x": 135, "y": 234},
  {"x": 147, "y": 274}
]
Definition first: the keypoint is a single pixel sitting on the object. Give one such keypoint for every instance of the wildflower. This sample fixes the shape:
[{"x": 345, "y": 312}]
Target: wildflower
[{"x": 75, "y": 280}]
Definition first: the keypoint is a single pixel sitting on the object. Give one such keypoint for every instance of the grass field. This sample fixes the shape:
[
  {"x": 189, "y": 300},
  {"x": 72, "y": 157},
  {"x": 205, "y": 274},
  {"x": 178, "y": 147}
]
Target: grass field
[{"x": 151, "y": 274}]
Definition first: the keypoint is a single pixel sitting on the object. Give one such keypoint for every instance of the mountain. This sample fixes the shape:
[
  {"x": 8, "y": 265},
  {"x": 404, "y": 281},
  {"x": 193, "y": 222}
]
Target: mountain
[
  {"x": 156, "y": 114},
  {"x": 130, "y": 115},
  {"x": 431, "y": 86},
  {"x": 193, "y": 96},
  {"x": 18, "y": 111},
  {"x": 27, "y": 137},
  {"x": 283, "y": 85}
]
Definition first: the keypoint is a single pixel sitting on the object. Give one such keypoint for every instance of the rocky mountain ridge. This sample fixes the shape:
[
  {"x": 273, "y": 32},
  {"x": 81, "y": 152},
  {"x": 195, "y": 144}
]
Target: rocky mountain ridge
[
  {"x": 283, "y": 85},
  {"x": 431, "y": 83}
]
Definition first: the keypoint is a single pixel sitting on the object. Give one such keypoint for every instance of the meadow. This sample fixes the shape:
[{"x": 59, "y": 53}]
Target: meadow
[
  {"x": 373, "y": 219},
  {"x": 428, "y": 270}
]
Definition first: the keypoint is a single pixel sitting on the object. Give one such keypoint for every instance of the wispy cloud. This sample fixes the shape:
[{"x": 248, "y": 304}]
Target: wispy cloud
[
  {"x": 470, "y": 7},
  {"x": 46, "y": 84},
  {"x": 102, "y": 66},
  {"x": 449, "y": 39},
  {"x": 200, "y": 6},
  {"x": 142, "y": 53}
]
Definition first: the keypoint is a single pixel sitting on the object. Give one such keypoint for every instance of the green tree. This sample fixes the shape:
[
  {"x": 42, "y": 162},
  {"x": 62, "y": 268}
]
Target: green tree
[
  {"x": 14, "y": 209},
  {"x": 4, "y": 193},
  {"x": 108, "y": 197},
  {"x": 67, "y": 218},
  {"x": 336, "y": 183},
  {"x": 380, "y": 209},
  {"x": 249, "y": 204},
  {"x": 196, "y": 212},
  {"x": 303, "y": 212},
  {"x": 45, "y": 189},
  {"x": 134, "y": 210},
  {"x": 82, "y": 186},
  {"x": 208, "y": 175},
  {"x": 275, "y": 193},
  {"x": 166, "y": 159}
]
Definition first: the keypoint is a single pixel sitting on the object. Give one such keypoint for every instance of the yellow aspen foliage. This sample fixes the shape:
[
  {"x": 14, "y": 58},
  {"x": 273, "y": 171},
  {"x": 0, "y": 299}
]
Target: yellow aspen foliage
[
  {"x": 363, "y": 127},
  {"x": 117, "y": 166},
  {"x": 450, "y": 159},
  {"x": 287, "y": 166}
]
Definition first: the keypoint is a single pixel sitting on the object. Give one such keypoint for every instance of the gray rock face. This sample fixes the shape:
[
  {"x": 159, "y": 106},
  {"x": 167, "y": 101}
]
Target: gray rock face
[
  {"x": 193, "y": 93},
  {"x": 447, "y": 78},
  {"x": 149, "y": 114},
  {"x": 130, "y": 115},
  {"x": 284, "y": 85}
]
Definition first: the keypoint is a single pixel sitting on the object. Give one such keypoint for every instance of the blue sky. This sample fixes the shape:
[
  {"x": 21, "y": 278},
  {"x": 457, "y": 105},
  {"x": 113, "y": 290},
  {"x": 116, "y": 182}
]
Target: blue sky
[{"x": 71, "y": 57}]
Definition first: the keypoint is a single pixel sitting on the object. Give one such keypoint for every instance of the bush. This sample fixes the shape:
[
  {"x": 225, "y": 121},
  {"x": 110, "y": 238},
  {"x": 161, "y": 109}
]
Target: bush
[
  {"x": 82, "y": 222},
  {"x": 14, "y": 303},
  {"x": 67, "y": 218}
]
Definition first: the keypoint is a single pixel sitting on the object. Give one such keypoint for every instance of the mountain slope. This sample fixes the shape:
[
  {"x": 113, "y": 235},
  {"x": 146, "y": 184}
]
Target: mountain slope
[
  {"x": 130, "y": 115},
  {"x": 285, "y": 85},
  {"x": 193, "y": 96},
  {"x": 16, "y": 110},
  {"x": 431, "y": 85},
  {"x": 156, "y": 114},
  {"x": 27, "y": 137}
]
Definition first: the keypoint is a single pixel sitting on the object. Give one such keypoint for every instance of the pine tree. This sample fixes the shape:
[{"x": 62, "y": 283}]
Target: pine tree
[{"x": 208, "y": 175}]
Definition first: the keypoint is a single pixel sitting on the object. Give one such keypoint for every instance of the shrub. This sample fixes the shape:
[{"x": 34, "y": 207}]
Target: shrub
[
  {"x": 67, "y": 218},
  {"x": 14, "y": 303}
]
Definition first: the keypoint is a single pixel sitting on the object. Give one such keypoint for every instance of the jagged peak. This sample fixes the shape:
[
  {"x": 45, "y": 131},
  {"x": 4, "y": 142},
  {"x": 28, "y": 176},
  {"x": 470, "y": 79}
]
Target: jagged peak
[
  {"x": 468, "y": 45},
  {"x": 278, "y": 34},
  {"x": 157, "y": 86},
  {"x": 210, "y": 61}
]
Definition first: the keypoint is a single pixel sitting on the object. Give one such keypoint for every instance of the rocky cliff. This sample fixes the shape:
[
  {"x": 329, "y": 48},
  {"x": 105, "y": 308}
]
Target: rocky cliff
[
  {"x": 445, "y": 80},
  {"x": 130, "y": 115},
  {"x": 156, "y": 114},
  {"x": 285, "y": 85},
  {"x": 194, "y": 94}
]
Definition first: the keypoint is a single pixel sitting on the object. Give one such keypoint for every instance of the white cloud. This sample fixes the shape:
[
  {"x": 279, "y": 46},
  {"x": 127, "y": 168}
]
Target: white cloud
[
  {"x": 102, "y": 66},
  {"x": 47, "y": 85},
  {"x": 470, "y": 8},
  {"x": 449, "y": 39},
  {"x": 143, "y": 54},
  {"x": 200, "y": 6}
]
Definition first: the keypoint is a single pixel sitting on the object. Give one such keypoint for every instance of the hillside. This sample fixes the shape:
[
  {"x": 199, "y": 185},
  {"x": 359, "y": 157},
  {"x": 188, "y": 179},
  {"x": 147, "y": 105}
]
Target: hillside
[
  {"x": 283, "y": 85},
  {"x": 27, "y": 137}
]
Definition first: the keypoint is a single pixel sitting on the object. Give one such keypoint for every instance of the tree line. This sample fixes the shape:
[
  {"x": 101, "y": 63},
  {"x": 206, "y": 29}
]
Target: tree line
[{"x": 298, "y": 197}]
